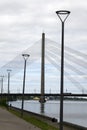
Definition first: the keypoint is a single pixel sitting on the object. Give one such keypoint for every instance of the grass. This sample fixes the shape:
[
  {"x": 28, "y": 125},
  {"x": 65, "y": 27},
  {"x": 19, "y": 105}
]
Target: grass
[
  {"x": 35, "y": 121},
  {"x": 3, "y": 102}
]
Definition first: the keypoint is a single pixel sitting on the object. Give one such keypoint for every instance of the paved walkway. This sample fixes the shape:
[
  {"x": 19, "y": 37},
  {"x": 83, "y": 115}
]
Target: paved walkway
[{"x": 8, "y": 121}]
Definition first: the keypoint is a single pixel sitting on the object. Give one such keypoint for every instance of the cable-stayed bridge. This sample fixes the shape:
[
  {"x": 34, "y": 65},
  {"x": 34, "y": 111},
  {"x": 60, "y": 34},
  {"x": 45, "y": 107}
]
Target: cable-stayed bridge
[{"x": 75, "y": 70}]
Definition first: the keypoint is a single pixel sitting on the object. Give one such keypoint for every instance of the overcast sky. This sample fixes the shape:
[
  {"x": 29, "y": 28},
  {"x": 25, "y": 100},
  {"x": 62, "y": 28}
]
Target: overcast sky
[{"x": 23, "y": 21}]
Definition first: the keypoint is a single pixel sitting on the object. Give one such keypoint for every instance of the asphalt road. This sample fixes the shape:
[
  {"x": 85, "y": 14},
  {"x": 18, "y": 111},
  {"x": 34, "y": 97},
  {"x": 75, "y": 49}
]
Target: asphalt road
[{"x": 8, "y": 121}]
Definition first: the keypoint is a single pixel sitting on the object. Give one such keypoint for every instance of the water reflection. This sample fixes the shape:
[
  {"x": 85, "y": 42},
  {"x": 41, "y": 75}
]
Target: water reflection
[
  {"x": 42, "y": 108},
  {"x": 74, "y": 111}
]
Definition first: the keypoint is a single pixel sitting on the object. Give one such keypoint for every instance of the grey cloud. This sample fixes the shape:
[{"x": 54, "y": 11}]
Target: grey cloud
[
  {"x": 11, "y": 7},
  {"x": 29, "y": 18}
]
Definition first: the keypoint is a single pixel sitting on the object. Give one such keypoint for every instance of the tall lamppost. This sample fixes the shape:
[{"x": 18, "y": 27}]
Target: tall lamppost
[
  {"x": 62, "y": 14},
  {"x": 8, "y": 70},
  {"x": 2, "y": 86},
  {"x": 25, "y": 56}
]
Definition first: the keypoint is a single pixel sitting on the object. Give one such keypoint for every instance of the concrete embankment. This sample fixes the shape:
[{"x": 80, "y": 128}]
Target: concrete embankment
[{"x": 53, "y": 121}]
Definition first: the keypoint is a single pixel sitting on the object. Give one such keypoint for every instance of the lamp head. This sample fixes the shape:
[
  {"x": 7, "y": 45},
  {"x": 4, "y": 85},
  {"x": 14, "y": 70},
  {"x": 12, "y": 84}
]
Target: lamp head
[
  {"x": 63, "y": 14},
  {"x": 25, "y": 56},
  {"x": 9, "y": 70}
]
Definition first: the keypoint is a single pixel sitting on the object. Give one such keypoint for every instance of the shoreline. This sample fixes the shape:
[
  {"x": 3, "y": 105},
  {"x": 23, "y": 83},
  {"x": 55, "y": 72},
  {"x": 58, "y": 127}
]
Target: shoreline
[{"x": 51, "y": 121}]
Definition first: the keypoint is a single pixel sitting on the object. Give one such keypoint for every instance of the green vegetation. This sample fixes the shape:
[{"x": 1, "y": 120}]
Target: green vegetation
[
  {"x": 35, "y": 121},
  {"x": 3, "y": 102}
]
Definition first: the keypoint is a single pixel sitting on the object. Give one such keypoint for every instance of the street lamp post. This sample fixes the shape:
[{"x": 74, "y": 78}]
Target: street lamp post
[
  {"x": 62, "y": 14},
  {"x": 2, "y": 86},
  {"x": 25, "y": 56},
  {"x": 8, "y": 70}
]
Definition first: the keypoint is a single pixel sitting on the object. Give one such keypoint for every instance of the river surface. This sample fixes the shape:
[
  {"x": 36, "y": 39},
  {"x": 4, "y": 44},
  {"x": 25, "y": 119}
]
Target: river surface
[{"x": 74, "y": 111}]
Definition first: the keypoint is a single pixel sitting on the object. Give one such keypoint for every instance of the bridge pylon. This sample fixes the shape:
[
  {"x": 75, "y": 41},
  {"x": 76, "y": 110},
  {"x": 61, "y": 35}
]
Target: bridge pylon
[{"x": 42, "y": 97}]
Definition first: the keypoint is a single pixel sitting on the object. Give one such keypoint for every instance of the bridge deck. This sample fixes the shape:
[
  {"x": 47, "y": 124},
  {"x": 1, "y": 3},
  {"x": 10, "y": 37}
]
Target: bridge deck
[{"x": 46, "y": 94}]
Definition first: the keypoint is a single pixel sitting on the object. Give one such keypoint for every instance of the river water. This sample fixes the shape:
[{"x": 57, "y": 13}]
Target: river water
[{"x": 74, "y": 111}]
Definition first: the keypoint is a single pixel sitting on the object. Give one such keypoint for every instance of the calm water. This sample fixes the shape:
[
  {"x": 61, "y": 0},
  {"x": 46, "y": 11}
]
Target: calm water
[{"x": 74, "y": 111}]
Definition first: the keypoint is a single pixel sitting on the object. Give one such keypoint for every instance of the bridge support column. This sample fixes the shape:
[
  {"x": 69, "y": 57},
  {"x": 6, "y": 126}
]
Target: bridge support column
[{"x": 42, "y": 98}]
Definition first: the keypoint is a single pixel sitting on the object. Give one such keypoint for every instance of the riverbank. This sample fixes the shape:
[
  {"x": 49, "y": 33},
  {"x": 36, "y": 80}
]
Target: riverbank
[
  {"x": 35, "y": 119},
  {"x": 50, "y": 121}
]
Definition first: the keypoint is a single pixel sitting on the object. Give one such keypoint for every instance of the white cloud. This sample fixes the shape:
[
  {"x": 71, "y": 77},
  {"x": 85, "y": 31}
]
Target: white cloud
[{"x": 23, "y": 21}]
